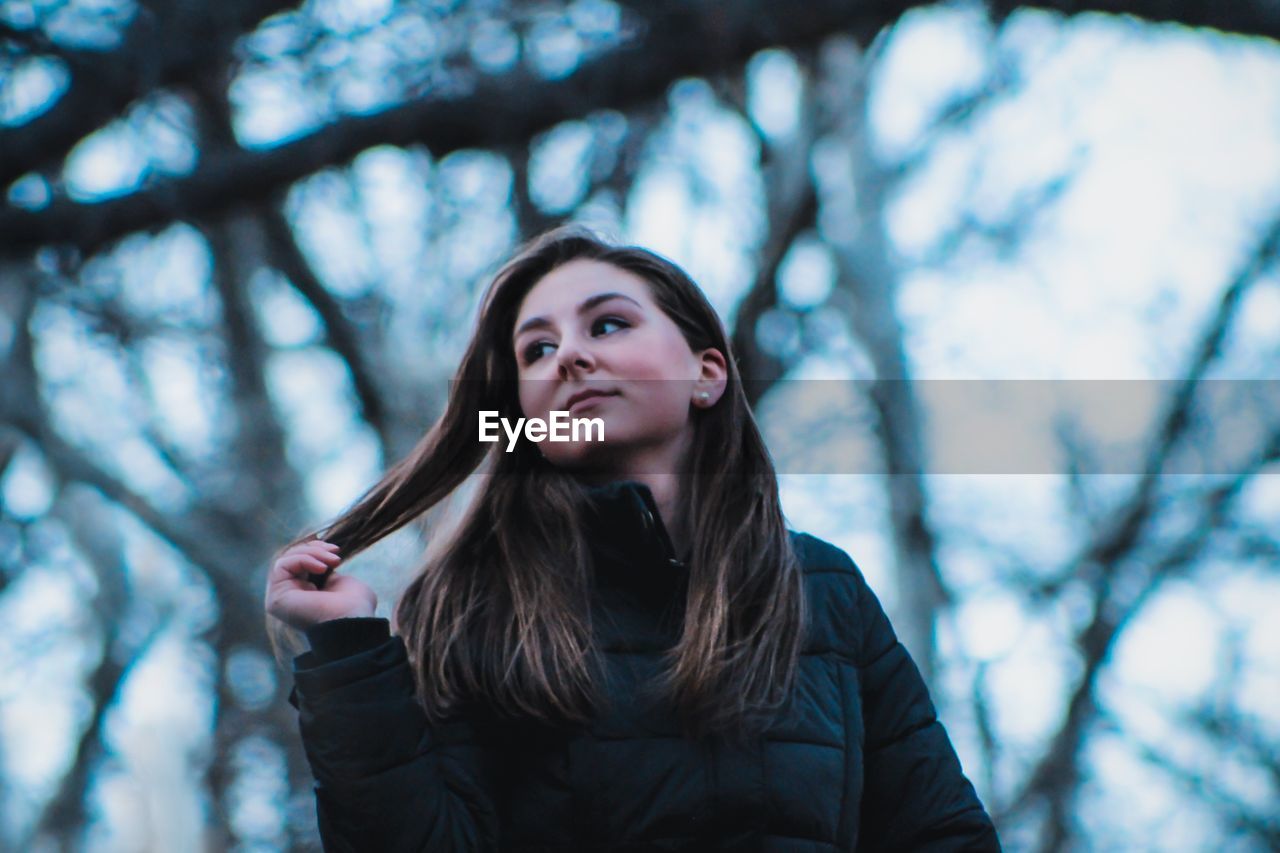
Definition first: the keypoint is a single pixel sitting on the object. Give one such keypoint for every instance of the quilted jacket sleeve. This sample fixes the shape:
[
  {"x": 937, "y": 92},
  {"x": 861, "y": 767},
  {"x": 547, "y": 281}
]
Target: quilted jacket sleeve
[
  {"x": 386, "y": 779},
  {"x": 915, "y": 795}
]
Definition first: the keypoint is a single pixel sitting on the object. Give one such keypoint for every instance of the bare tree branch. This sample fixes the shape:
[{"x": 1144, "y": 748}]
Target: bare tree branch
[
  {"x": 342, "y": 334},
  {"x": 693, "y": 39},
  {"x": 696, "y": 38},
  {"x": 167, "y": 44},
  {"x": 853, "y": 225},
  {"x": 98, "y": 541},
  {"x": 791, "y": 204},
  {"x": 1120, "y": 580},
  {"x": 1238, "y": 817}
]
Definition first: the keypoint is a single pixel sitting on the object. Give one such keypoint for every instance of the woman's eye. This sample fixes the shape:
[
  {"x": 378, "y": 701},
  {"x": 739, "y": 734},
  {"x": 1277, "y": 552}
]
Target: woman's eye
[
  {"x": 533, "y": 351},
  {"x": 619, "y": 321}
]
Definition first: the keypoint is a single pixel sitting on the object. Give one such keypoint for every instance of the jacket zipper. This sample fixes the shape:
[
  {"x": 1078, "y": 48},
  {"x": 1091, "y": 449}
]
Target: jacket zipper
[{"x": 648, "y": 514}]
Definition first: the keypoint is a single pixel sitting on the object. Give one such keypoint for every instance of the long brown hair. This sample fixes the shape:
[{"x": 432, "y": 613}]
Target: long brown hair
[{"x": 501, "y": 610}]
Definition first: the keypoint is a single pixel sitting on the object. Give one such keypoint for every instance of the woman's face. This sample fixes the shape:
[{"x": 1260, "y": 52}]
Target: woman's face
[{"x": 588, "y": 325}]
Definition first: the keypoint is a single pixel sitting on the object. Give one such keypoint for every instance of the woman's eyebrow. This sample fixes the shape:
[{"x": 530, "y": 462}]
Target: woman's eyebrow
[{"x": 586, "y": 305}]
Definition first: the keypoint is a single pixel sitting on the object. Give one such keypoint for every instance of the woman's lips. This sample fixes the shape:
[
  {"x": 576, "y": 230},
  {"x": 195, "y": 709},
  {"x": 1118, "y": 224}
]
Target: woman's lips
[{"x": 589, "y": 400}]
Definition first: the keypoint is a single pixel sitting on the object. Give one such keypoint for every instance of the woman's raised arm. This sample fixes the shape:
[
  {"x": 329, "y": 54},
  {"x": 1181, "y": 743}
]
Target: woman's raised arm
[{"x": 387, "y": 779}]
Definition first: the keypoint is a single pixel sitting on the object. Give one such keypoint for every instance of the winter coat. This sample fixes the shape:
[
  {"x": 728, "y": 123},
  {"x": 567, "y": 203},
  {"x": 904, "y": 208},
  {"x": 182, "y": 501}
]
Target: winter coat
[{"x": 859, "y": 761}]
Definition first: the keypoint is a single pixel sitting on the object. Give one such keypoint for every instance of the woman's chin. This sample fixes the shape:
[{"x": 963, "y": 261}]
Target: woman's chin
[{"x": 581, "y": 455}]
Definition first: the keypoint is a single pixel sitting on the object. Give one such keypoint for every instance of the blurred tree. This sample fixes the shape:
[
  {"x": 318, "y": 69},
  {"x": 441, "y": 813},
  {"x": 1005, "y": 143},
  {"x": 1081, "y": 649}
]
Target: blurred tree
[{"x": 247, "y": 134}]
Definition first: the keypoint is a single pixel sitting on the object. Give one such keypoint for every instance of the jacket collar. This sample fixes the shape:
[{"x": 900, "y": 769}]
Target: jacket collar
[{"x": 630, "y": 545}]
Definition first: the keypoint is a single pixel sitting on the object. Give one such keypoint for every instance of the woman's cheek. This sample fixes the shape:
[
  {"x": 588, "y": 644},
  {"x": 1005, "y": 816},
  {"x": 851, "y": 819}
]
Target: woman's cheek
[{"x": 535, "y": 402}]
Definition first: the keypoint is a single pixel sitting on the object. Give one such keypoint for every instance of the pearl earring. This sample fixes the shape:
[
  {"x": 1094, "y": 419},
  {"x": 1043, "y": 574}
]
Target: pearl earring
[{"x": 704, "y": 396}]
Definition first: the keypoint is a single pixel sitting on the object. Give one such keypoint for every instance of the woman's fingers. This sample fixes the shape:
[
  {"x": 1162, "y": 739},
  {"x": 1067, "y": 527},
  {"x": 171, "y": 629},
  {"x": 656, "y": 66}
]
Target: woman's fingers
[
  {"x": 326, "y": 552},
  {"x": 313, "y": 559},
  {"x": 309, "y": 566},
  {"x": 296, "y": 567},
  {"x": 301, "y": 565},
  {"x": 293, "y": 596},
  {"x": 298, "y": 578}
]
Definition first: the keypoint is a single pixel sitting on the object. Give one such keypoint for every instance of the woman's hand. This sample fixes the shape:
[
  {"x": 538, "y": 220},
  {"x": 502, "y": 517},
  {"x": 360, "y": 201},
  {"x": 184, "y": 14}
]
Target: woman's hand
[{"x": 293, "y": 598}]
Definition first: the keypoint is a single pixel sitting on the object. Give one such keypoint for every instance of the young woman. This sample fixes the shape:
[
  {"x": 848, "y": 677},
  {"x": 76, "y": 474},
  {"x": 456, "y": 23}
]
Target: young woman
[{"x": 621, "y": 646}]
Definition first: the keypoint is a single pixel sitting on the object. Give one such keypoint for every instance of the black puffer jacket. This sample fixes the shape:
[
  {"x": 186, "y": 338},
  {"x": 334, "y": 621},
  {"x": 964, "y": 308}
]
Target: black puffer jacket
[{"x": 859, "y": 762}]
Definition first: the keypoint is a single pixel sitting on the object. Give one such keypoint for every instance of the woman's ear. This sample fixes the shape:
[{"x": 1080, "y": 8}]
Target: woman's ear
[{"x": 712, "y": 379}]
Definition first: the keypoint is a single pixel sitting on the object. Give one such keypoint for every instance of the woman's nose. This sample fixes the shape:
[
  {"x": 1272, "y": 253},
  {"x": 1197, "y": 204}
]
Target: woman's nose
[{"x": 573, "y": 355}]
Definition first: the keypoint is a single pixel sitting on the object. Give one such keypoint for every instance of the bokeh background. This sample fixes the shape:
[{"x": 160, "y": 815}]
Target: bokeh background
[{"x": 241, "y": 245}]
